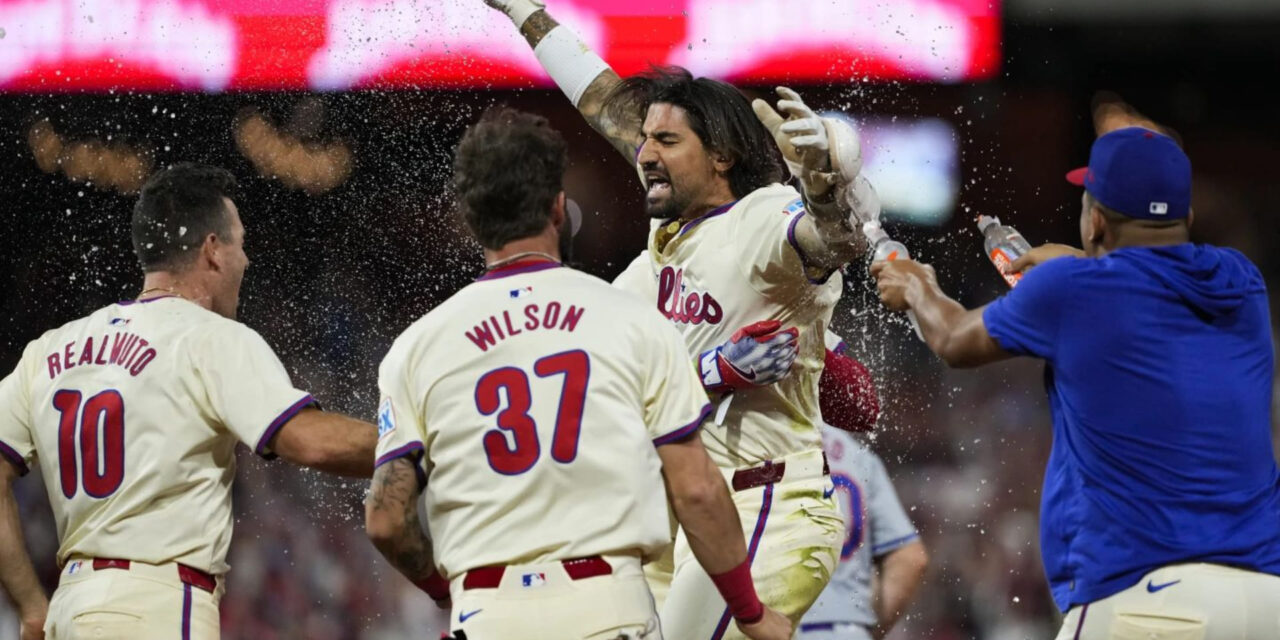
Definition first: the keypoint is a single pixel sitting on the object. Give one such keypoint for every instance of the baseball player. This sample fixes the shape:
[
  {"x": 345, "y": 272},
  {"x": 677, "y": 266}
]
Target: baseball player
[
  {"x": 1161, "y": 503},
  {"x": 540, "y": 410},
  {"x": 133, "y": 413},
  {"x": 882, "y": 560},
  {"x": 729, "y": 245}
]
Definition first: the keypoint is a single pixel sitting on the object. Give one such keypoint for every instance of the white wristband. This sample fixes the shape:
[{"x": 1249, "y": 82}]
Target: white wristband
[
  {"x": 569, "y": 62},
  {"x": 520, "y": 10}
]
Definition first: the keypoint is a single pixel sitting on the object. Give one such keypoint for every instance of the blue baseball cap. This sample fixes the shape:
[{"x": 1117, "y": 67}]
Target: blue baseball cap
[{"x": 1139, "y": 173}]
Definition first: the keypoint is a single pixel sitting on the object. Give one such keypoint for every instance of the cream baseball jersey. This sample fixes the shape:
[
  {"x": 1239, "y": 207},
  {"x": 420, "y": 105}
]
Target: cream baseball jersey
[
  {"x": 532, "y": 401},
  {"x": 737, "y": 265},
  {"x": 133, "y": 414}
]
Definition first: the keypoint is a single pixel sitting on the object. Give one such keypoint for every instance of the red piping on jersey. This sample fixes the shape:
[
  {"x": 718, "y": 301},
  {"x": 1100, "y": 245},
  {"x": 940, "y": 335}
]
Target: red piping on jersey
[{"x": 518, "y": 267}]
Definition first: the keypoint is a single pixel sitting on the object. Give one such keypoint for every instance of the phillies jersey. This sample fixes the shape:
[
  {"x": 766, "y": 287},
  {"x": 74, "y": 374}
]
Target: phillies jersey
[
  {"x": 737, "y": 265},
  {"x": 875, "y": 525},
  {"x": 532, "y": 402},
  {"x": 133, "y": 414}
]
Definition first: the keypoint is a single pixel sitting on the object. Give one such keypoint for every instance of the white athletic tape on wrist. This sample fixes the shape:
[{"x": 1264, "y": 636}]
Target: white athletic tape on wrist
[
  {"x": 520, "y": 10},
  {"x": 569, "y": 62}
]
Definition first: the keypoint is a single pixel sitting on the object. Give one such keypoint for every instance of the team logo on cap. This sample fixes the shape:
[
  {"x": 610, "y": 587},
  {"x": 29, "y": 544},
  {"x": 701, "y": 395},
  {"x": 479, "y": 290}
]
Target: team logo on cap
[
  {"x": 386, "y": 418},
  {"x": 1159, "y": 208}
]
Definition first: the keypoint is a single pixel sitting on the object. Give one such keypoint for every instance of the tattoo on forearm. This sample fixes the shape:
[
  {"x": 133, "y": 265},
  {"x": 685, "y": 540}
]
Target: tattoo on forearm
[
  {"x": 537, "y": 27},
  {"x": 395, "y": 489}
]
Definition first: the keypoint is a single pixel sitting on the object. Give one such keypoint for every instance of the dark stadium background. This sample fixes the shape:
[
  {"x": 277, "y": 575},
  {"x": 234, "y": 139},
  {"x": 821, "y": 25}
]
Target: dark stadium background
[{"x": 335, "y": 277}]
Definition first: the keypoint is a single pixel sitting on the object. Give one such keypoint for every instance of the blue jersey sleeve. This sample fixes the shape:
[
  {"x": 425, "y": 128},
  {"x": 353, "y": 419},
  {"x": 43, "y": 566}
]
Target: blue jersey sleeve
[{"x": 1026, "y": 320}]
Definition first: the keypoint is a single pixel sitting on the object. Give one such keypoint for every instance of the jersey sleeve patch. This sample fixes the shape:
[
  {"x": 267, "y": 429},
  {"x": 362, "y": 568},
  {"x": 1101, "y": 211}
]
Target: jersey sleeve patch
[{"x": 386, "y": 418}]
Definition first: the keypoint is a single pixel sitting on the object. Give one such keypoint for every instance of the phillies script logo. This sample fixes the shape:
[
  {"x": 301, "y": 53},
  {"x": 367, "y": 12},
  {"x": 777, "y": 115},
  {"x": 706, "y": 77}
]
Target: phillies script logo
[{"x": 691, "y": 307}]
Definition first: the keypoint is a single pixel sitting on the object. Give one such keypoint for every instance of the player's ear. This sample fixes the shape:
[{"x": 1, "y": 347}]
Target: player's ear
[
  {"x": 1097, "y": 226},
  {"x": 721, "y": 162},
  {"x": 209, "y": 256},
  {"x": 558, "y": 214}
]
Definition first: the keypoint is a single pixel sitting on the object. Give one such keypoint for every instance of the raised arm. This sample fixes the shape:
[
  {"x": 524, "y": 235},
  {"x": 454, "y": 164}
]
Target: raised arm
[
  {"x": 581, "y": 74},
  {"x": 825, "y": 155},
  {"x": 16, "y": 571}
]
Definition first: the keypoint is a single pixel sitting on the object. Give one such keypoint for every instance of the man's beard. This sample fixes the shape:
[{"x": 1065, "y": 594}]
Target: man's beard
[{"x": 671, "y": 207}]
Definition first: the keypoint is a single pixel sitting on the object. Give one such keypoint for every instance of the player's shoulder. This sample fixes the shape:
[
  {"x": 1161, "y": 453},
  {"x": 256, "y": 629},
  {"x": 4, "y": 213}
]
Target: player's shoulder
[
  {"x": 773, "y": 200},
  {"x": 844, "y": 448}
]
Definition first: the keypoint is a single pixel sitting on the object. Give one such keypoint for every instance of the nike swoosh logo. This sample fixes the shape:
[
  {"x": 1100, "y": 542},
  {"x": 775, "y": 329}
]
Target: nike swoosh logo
[
  {"x": 1152, "y": 588},
  {"x": 463, "y": 617}
]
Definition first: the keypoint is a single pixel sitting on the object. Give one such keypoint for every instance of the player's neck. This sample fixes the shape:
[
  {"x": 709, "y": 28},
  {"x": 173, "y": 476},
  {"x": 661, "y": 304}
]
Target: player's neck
[
  {"x": 158, "y": 284},
  {"x": 540, "y": 246},
  {"x": 719, "y": 198}
]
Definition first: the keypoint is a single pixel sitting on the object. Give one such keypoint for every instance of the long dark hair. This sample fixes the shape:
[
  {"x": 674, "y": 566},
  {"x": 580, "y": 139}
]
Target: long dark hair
[{"x": 718, "y": 113}]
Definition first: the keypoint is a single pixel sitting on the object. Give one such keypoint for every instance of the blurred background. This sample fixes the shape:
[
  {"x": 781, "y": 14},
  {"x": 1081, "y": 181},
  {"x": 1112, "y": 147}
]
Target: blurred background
[{"x": 339, "y": 118}]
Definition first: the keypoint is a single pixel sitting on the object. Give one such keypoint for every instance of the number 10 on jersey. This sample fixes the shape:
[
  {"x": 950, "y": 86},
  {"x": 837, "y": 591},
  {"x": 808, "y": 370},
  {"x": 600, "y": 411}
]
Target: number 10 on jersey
[
  {"x": 98, "y": 424},
  {"x": 511, "y": 460}
]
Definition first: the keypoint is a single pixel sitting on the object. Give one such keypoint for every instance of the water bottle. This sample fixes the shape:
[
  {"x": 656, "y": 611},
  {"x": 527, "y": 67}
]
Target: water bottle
[
  {"x": 885, "y": 248},
  {"x": 1003, "y": 244}
]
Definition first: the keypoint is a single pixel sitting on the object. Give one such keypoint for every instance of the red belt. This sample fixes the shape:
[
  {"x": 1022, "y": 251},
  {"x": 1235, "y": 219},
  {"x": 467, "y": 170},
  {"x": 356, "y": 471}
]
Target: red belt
[
  {"x": 768, "y": 473},
  {"x": 578, "y": 568},
  {"x": 188, "y": 575}
]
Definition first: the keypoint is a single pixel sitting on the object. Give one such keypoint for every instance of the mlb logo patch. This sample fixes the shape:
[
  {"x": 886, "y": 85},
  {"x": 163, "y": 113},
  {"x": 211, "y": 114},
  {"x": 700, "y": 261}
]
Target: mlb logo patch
[
  {"x": 1159, "y": 208},
  {"x": 116, "y": 322},
  {"x": 521, "y": 292},
  {"x": 73, "y": 568},
  {"x": 533, "y": 579},
  {"x": 386, "y": 418}
]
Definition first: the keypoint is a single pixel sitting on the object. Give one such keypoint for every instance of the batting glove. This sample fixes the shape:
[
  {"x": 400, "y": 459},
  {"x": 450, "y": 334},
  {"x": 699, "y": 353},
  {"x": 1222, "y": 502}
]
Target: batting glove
[
  {"x": 756, "y": 355},
  {"x": 821, "y": 152},
  {"x": 517, "y": 10}
]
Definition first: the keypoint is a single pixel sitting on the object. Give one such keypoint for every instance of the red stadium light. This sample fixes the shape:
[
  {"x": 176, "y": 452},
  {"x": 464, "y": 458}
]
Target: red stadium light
[{"x": 199, "y": 45}]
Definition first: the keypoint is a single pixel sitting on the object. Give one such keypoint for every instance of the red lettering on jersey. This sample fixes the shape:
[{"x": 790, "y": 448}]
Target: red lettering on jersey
[
  {"x": 55, "y": 367},
  {"x": 552, "y": 316},
  {"x": 67, "y": 357},
  {"x": 531, "y": 312},
  {"x": 691, "y": 308},
  {"x": 511, "y": 330},
  {"x": 142, "y": 344},
  {"x": 483, "y": 336},
  {"x": 102, "y": 350},
  {"x": 146, "y": 357},
  {"x": 120, "y": 347},
  {"x": 571, "y": 318},
  {"x": 497, "y": 328},
  {"x": 86, "y": 354}
]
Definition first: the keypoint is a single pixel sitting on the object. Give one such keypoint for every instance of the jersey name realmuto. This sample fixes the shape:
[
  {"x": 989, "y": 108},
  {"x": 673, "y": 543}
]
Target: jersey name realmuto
[
  {"x": 132, "y": 414},
  {"x": 532, "y": 402},
  {"x": 734, "y": 266}
]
